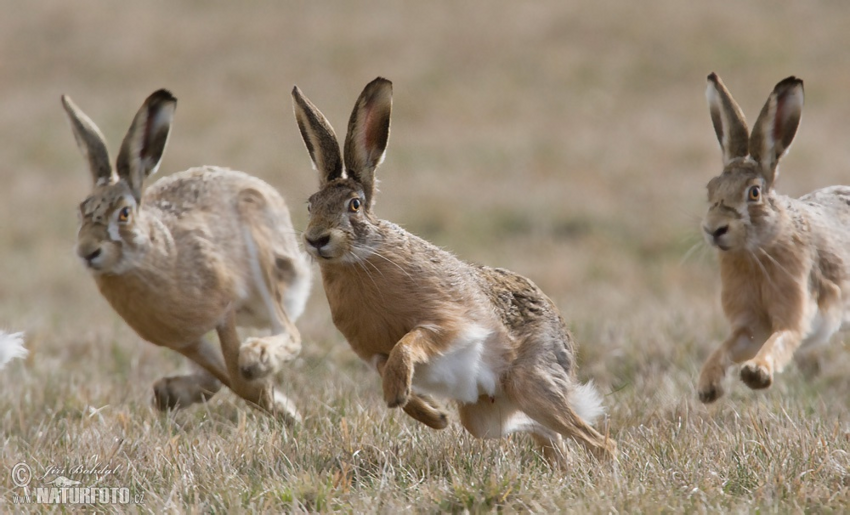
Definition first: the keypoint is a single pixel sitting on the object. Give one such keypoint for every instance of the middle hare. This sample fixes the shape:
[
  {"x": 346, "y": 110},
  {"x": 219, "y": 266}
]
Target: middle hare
[{"x": 430, "y": 323}]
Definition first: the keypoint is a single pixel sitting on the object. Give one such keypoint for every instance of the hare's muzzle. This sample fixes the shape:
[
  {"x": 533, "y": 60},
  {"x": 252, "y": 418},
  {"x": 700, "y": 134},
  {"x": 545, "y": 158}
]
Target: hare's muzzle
[
  {"x": 316, "y": 244},
  {"x": 716, "y": 236},
  {"x": 319, "y": 242},
  {"x": 90, "y": 255}
]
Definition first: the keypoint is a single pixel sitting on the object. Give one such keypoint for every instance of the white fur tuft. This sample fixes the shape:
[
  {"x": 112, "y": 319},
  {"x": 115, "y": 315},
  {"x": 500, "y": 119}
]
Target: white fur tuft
[
  {"x": 587, "y": 402},
  {"x": 295, "y": 298},
  {"x": 11, "y": 347}
]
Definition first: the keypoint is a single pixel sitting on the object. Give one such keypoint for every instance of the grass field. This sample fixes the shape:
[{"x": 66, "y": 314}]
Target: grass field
[{"x": 567, "y": 140}]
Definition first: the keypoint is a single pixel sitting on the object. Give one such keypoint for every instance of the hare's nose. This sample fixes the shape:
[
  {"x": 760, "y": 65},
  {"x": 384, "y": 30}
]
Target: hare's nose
[
  {"x": 93, "y": 255},
  {"x": 720, "y": 231},
  {"x": 319, "y": 242}
]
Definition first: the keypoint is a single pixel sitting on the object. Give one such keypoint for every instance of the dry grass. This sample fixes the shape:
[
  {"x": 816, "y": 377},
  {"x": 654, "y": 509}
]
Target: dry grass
[{"x": 566, "y": 140}]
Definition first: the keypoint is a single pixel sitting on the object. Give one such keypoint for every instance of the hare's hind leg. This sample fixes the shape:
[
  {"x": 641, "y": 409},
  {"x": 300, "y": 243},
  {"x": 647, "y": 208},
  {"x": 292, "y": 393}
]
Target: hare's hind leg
[
  {"x": 260, "y": 393},
  {"x": 495, "y": 417},
  {"x": 174, "y": 392},
  {"x": 551, "y": 445},
  {"x": 271, "y": 271},
  {"x": 181, "y": 391},
  {"x": 541, "y": 391}
]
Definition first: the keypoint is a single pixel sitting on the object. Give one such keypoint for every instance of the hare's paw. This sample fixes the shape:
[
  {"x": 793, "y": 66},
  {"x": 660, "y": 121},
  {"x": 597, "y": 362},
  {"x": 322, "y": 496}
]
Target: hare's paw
[
  {"x": 283, "y": 408},
  {"x": 396, "y": 387},
  {"x": 756, "y": 375},
  {"x": 710, "y": 385},
  {"x": 426, "y": 411},
  {"x": 607, "y": 452},
  {"x": 260, "y": 357},
  {"x": 179, "y": 392}
]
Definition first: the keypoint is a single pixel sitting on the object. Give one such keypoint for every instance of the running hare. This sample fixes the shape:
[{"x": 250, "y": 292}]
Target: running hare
[
  {"x": 431, "y": 324},
  {"x": 784, "y": 263},
  {"x": 201, "y": 250}
]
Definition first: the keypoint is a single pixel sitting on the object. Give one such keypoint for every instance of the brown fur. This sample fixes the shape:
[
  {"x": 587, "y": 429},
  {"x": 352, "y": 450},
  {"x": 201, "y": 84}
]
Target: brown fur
[
  {"x": 430, "y": 323},
  {"x": 783, "y": 262},
  {"x": 199, "y": 251}
]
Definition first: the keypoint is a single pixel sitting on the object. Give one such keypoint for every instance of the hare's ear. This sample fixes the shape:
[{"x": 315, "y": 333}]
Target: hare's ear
[
  {"x": 318, "y": 136},
  {"x": 91, "y": 143},
  {"x": 776, "y": 125},
  {"x": 141, "y": 151},
  {"x": 368, "y": 133},
  {"x": 729, "y": 122}
]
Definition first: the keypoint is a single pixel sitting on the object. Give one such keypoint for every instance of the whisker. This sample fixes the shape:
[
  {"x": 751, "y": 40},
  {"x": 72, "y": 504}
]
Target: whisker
[
  {"x": 381, "y": 293},
  {"x": 761, "y": 266},
  {"x": 374, "y": 266},
  {"x": 775, "y": 262},
  {"x": 700, "y": 245},
  {"x": 388, "y": 260}
]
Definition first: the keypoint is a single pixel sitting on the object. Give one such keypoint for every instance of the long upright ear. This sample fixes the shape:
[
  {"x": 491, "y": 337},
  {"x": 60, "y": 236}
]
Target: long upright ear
[
  {"x": 318, "y": 136},
  {"x": 368, "y": 134},
  {"x": 729, "y": 122},
  {"x": 91, "y": 143},
  {"x": 776, "y": 125},
  {"x": 141, "y": 151}
]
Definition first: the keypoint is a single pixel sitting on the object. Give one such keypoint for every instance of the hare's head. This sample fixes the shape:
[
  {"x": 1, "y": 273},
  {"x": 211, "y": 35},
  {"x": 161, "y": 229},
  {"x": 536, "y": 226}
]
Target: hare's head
[
  {"x": 342, "y": 227},
  {"x": 742, "y": 213},
  {"x": 110, "y": 239}
]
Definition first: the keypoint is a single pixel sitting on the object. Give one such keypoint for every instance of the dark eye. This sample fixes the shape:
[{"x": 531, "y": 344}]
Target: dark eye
[
  {"x": 354, "y": 205},
  {"x": 124, "y": 214},
  {"x": 754, "y": 193},
  {"x": 309, "y": 205}
]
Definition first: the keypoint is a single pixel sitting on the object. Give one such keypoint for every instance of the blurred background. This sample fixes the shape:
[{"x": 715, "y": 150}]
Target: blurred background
[{"x": 567, "y": 140}]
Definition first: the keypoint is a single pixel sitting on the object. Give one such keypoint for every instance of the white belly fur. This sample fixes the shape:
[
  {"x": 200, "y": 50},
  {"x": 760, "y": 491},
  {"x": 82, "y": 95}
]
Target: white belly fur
[{"x": 461, "y": 373}]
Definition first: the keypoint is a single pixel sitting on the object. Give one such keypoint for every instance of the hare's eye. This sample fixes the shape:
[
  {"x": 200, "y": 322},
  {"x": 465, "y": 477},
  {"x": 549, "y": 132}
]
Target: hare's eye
[
  {"x": 124, "y": 214},
  {"x": 354, "y": 205},
  {"x": 754, "y": 193},
  {"x": 309, "y": 206}
]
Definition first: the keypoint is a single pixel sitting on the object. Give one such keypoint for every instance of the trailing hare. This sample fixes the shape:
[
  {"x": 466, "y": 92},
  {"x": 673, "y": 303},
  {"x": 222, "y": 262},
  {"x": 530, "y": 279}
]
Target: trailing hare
[
  {"x": 204, "y": 249},
  {"x": 431, "y": 324},
  {"x": 784, "y": 263}
]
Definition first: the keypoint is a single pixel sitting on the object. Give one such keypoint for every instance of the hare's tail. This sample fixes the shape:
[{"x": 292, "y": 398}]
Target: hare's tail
[
  {"x": 587, "y": 402},
  {"x": 11, "y": 347}
]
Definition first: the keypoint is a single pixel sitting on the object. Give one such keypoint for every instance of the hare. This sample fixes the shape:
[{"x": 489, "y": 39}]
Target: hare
[
  {"x": 784, "y": 263},
  {"x": 11, "y": 347},
  {"x": 431, "y": 324},
  {"x": 204, "y": 249}
]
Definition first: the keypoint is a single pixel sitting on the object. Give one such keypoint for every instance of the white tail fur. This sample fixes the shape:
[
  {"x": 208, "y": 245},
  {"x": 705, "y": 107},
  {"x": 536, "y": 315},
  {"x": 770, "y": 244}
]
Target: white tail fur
[
  {"x": 587, "y": 402},
  {"x": 11, "y": 347}
]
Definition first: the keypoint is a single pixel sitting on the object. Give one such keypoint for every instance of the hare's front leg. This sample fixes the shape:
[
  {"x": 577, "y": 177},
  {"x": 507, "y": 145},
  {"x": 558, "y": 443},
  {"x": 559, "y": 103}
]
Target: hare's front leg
[
  {"x": 419, "y": 407},
  {"x": 398, "y": 371},
  {"x": 260, "y": 393},
  {"x": 741, "y": 345},
  {"x": 777, "y": 351},
  {"x": 181, "y": 391}
]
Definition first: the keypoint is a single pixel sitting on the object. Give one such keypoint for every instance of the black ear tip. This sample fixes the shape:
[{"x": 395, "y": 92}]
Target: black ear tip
[
  {"x": 380, "y": 81},
  {"x": 712, "y": 77},
  {"x": 162, "y": 95},
  {"x": 788, "y": 83}
]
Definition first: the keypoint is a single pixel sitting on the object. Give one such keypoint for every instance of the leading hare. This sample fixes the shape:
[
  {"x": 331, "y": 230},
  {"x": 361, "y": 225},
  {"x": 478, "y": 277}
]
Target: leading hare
[
  {"x": 431, "y": 324},
  {"x": 784, "y": 262},
  {"x": 201, "y": 250}
]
